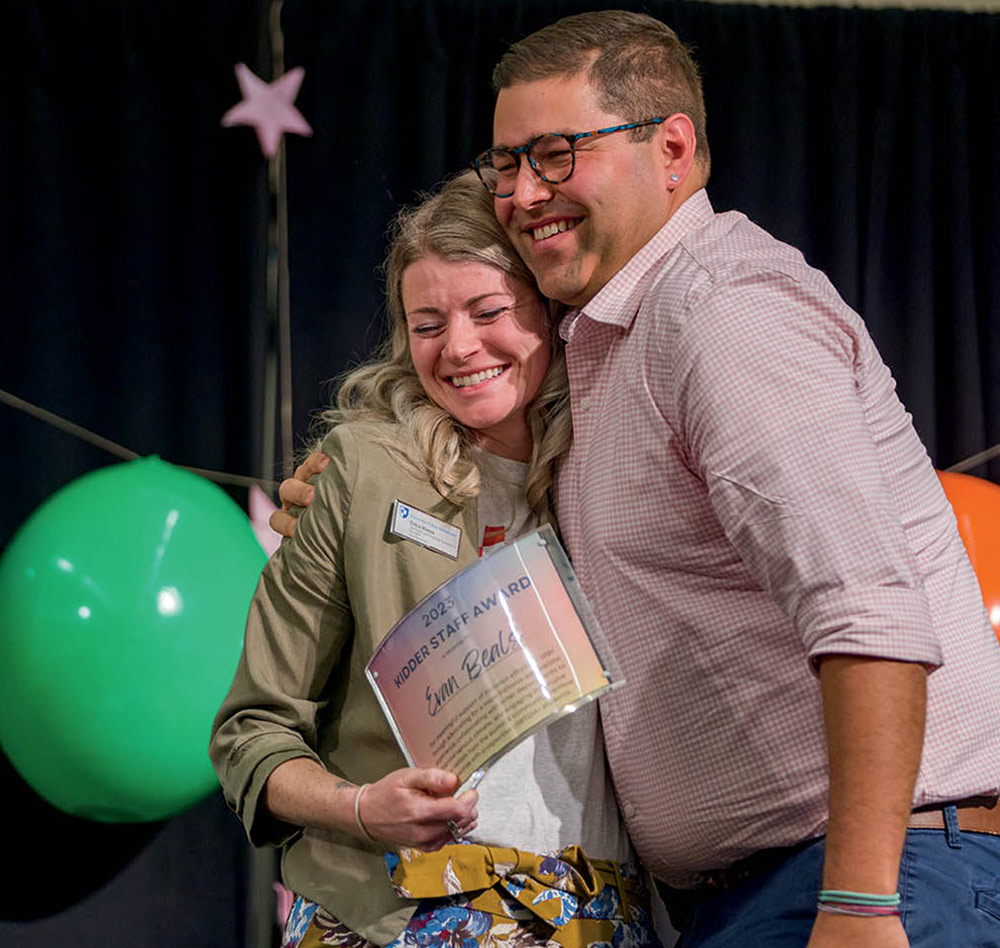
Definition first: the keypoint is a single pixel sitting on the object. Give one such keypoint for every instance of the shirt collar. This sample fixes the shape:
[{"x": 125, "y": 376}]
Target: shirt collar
[{"x": 612, "y": 303}]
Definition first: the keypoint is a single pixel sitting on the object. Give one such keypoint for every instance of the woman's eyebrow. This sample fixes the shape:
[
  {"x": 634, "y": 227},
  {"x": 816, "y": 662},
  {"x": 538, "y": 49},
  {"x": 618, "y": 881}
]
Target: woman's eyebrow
[{"x": 469, "y": 302}]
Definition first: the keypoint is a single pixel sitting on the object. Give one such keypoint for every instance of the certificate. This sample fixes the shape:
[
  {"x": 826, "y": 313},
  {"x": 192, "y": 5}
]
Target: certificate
[{"x": 500, "y": 650}]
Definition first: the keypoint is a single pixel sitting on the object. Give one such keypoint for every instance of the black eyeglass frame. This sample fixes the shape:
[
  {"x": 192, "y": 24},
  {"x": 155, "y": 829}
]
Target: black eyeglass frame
[{"x": 478, "y": 163}]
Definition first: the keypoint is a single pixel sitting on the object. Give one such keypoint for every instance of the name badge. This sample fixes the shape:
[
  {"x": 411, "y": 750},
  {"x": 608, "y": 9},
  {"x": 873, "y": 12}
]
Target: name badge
[{"x": 420, "y": 527}]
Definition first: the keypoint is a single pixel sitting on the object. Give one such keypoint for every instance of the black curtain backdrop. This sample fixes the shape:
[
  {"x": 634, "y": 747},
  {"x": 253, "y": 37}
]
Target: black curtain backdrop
[
  {"x": 130, "y": 253},
  {"x": 133, "y": 250}
]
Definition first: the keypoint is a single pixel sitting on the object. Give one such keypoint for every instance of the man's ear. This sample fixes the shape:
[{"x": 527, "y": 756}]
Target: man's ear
[{"x": 678, "y": 142}]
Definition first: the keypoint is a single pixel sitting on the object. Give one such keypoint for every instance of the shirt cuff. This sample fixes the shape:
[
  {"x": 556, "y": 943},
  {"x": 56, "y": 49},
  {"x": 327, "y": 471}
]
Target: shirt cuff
[{"x": 892, "y": 623}]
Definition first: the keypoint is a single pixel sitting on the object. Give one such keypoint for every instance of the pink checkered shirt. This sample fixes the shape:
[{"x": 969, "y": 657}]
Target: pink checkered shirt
[{"x": 745, "y": 493}]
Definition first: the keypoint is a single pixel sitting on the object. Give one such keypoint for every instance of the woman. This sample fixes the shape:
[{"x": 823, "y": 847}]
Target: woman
[{"x": 462, "y": 416}]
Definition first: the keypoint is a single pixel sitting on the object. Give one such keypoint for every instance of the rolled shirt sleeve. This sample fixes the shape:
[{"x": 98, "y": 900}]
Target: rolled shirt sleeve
[{"x": 297, "y": 629}]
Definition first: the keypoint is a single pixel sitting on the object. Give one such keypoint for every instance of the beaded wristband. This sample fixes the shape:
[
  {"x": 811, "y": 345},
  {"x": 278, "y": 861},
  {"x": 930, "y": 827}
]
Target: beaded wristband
[{"x": 357, "y": 813}]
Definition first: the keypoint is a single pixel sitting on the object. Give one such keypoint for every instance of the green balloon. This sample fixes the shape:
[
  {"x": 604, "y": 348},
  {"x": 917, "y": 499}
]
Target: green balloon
[{"x": 122, "y": 605}]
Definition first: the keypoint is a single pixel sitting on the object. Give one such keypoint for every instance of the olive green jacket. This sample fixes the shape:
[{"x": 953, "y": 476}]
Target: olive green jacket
[{"x": 323, "y": 603}]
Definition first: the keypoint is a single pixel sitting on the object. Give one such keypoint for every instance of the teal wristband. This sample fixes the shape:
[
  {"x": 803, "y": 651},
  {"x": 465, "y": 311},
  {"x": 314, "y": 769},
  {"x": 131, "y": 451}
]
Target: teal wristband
[{"x": 846, "y": 897}]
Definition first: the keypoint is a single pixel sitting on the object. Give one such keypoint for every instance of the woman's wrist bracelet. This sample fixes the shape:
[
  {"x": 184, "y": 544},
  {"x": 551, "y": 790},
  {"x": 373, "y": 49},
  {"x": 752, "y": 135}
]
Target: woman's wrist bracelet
[{"x": 357, "y": 813}]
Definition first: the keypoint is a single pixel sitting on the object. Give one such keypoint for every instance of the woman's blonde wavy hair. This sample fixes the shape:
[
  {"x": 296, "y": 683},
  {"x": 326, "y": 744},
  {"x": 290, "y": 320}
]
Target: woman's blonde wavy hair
[{"x": 455, "y": 223}]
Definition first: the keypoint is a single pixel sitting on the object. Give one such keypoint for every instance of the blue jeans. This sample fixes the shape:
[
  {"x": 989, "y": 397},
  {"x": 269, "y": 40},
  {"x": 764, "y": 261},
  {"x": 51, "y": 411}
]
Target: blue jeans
[{"x": 949, "y": 886}]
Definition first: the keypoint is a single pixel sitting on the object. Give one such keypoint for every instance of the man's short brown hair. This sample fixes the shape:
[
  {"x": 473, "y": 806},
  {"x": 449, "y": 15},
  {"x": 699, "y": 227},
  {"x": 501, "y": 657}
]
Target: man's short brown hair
[{"x": 637, "y": 65}]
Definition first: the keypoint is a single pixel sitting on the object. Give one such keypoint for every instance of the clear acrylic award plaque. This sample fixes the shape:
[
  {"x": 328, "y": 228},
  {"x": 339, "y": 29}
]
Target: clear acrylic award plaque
[{"x": 503, "y": 648}]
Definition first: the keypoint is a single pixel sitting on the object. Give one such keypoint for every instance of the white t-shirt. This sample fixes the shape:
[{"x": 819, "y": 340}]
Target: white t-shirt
[{"x": 553, "y": 789}]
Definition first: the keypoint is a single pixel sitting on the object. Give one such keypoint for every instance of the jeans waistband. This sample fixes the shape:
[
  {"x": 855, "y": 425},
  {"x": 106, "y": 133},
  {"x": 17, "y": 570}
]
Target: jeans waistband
[{"x": 975, "y": 815}]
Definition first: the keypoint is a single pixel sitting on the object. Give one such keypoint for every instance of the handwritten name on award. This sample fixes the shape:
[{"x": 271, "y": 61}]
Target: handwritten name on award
[{"x": 503, "y": 648}]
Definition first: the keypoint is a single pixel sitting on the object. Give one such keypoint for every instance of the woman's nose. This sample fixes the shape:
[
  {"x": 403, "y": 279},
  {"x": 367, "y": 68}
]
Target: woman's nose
[{"x": 461, "y": 343}]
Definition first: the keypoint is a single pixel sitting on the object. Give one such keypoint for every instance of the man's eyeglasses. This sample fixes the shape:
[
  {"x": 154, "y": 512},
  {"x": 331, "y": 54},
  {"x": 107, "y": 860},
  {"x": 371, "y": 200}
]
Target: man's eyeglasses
[{"x": 552, "y": 157}]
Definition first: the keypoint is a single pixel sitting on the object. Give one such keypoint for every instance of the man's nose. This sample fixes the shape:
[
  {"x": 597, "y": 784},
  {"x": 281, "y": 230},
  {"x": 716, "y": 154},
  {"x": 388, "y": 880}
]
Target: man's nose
[{"x": 529, "y": 189}]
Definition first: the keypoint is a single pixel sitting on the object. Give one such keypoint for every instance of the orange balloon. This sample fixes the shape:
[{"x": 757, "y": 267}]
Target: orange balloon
[{"x": 976, "y": 503}]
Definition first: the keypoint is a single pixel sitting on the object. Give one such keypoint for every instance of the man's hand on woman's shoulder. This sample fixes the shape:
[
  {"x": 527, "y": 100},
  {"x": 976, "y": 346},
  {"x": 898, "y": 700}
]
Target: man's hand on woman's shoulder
[{"x": 296, "y": 492}]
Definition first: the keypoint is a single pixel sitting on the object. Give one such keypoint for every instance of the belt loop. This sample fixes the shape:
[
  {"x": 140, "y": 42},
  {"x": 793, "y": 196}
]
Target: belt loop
[
  {"x": 952, "y": 833},
  {"x": 622, "y": 894}
]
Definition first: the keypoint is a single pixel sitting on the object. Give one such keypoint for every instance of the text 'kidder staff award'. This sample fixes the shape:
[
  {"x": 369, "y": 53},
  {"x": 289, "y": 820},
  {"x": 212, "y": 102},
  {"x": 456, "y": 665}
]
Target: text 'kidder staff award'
[{"x": 502, "y": 649}]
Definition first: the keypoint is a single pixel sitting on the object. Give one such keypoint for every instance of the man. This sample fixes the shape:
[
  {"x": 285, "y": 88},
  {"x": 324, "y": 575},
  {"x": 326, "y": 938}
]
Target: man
[{"x": 810, "y": 669}]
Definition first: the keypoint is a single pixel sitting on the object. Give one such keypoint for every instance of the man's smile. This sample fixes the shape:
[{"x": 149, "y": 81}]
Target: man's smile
[{"x": 551, "y": 228}]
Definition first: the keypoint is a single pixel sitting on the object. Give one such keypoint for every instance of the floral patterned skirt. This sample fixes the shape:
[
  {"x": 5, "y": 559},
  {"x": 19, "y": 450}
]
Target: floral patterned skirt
[{"x": 471, "y": 896}]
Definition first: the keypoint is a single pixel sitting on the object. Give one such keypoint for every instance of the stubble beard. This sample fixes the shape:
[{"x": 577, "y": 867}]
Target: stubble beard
[{"x": 558, "y": 280}]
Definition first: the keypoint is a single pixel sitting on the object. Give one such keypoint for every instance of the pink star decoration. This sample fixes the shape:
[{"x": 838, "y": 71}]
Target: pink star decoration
[{"x": 267, "y": 107}]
